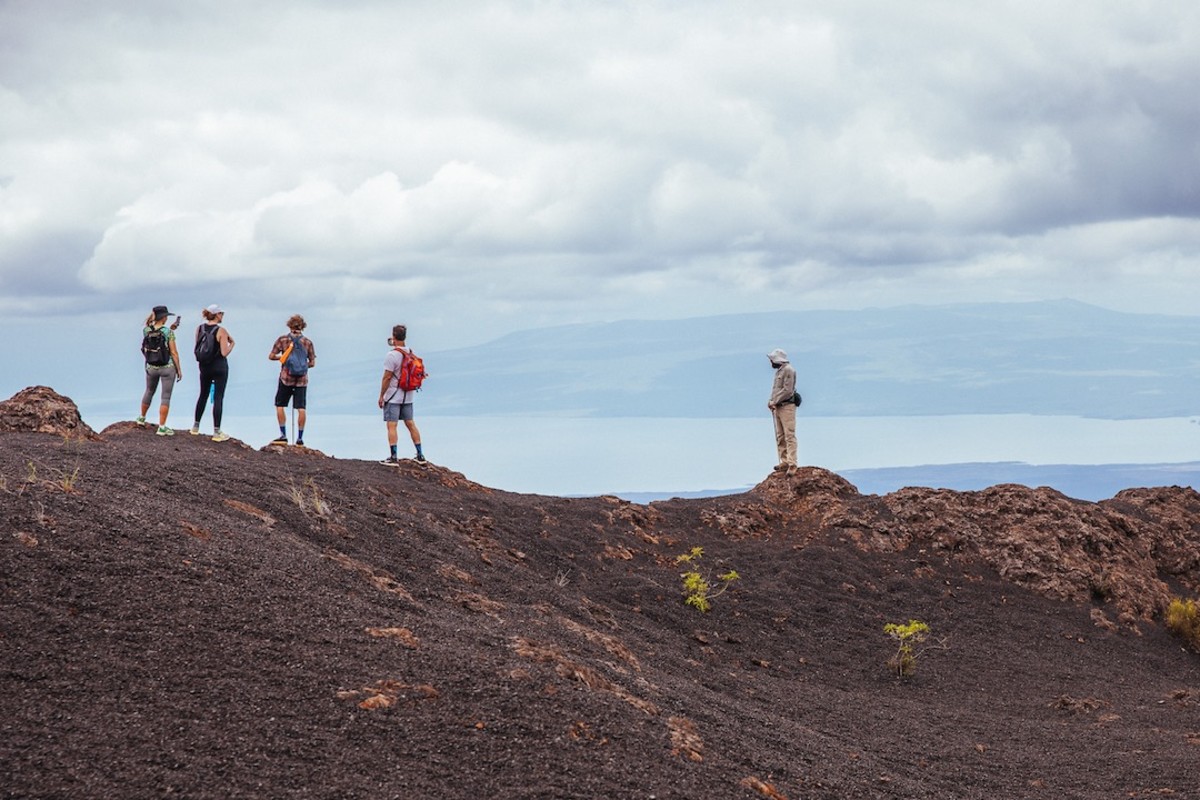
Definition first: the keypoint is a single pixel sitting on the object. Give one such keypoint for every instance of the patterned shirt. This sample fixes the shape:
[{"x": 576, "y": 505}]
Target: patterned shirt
[{"x": 281, "y": 345}]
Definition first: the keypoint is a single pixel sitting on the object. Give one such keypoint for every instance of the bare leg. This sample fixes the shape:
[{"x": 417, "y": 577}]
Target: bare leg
[{"x": 412, "y": 432}]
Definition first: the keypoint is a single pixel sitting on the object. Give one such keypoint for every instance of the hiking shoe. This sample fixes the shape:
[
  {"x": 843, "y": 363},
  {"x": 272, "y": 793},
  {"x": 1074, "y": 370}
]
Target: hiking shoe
[
  {"x": 163, "y": 430},
  {"x": 390, "y": 461},
  {"x": 220, "y": 436},
  {"x": 195, "y": 431},
  {"x": 140, "y": 421},
  {"x": 281, "y": 440}
]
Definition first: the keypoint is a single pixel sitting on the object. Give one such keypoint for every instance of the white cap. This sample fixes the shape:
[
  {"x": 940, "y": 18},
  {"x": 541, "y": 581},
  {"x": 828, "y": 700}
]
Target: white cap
[{"x": 214, "y": 309}]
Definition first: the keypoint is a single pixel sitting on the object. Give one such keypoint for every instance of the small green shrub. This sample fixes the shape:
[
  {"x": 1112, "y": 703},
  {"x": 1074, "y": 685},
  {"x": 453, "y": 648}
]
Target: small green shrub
[
  {"x": 1183, "y": 619},
  {"x": 698, "y": 591},
  {"x": 67, "y": 481},
  {"x": 907, "y": 636}
]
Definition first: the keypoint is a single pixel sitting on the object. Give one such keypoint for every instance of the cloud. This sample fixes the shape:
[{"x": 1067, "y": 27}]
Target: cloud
[{"x": 601, "y": 155}]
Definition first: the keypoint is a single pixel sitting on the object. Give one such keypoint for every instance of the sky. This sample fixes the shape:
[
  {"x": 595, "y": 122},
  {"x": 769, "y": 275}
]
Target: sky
[{"x": 473, "y": 168}]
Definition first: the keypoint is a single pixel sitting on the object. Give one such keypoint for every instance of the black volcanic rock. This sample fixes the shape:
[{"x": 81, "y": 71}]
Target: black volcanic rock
[{"x": 183, "y": 617}]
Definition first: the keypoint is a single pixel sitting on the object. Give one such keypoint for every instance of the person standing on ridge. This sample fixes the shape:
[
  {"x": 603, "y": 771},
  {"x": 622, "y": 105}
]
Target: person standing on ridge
[
  {"x": 397, "y": 402},
  {"x": 162, "y": 365},
  {"x": 213, "y": 346},
  {"x": 782, "y": 404},
  {"x": 296, "y": 356}
]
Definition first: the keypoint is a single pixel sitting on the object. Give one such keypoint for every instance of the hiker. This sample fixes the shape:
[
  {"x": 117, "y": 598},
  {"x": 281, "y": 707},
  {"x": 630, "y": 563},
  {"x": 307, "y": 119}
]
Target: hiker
[
  {"x": 783, "y": 402},
  {"x": 397, "y": 403},
  {"x": 162, "y": 365},
  {"x": 213, "y": 346},
  {"x": 296, "y": 356}
]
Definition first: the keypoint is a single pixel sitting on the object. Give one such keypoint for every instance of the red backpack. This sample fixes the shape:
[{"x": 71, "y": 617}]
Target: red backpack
[{"x": 411, "y": 374}]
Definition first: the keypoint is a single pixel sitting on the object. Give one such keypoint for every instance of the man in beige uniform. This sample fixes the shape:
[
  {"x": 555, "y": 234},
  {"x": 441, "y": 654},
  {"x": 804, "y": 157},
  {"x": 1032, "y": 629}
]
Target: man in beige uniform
[{"x": 783, "y": 408}]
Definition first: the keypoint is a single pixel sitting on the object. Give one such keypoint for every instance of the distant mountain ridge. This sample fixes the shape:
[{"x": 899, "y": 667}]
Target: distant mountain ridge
[
  {"x": 1055, "y": 358},
  {"x": 1049, "y": 358}
]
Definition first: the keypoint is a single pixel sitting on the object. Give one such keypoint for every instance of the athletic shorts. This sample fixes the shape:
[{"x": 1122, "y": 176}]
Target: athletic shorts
[
  {"x": 297, "y": 394},
  {"x": 397, "y": 412}
]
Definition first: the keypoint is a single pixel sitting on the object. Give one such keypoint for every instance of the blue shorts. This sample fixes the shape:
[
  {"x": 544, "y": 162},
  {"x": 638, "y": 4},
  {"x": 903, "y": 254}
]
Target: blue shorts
[{"x": 397, "y": 412}]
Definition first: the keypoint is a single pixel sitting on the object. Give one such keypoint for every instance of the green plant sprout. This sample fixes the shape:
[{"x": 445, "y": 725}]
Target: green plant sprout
[
  {"x": 67, "y": 481},
  {"x": 907, "y": 636},
  {"x": 698, "y": 589}
]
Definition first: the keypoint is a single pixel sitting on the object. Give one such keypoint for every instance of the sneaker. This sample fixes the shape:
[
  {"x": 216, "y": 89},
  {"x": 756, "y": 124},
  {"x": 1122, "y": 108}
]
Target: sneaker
[
  {"x": 390, "y": 461},
  {"x": 420, "y": 459},
  {"x": 281, "y": 440},
  {"x": 299, "y": 443},
  {"x": 195, "y": 431},
  {"x": 220, "y": 436},
  {"x": 140, "y": 421},
  {"x": 163, "y": 430}
]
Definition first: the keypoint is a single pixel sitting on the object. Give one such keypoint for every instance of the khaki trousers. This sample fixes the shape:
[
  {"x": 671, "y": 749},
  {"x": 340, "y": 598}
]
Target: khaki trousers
[{"x": 785, "y": 432}]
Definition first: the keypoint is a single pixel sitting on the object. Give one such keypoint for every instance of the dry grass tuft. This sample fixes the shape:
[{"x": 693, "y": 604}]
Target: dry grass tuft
[{"x": 1183, "y": 619}]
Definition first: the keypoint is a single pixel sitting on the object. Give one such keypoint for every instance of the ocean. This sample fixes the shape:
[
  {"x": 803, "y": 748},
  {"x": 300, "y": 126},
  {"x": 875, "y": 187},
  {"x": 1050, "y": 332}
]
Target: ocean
[{"x": 585, "y": 456}]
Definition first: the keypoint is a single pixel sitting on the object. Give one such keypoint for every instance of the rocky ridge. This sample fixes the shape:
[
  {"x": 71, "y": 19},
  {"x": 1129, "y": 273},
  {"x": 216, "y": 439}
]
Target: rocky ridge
[{"x": 211, "y": 620}]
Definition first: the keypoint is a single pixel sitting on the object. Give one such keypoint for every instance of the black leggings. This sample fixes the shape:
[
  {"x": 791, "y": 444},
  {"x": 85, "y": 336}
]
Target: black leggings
[{"x": 214, "y": 374}]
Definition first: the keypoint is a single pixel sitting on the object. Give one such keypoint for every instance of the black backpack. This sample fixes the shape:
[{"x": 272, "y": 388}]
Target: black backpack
[
  {"x": 155, "y": 347},
  {"x": 207, "y": 347}
]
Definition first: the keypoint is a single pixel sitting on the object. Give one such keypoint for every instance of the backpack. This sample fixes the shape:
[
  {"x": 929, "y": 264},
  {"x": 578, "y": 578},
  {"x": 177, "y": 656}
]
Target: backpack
[
  {"x": 207, "y": 347},
  {"x": 155, "y": 347},
  {"x": 295, "y": 358},
  {"x": 411, "y": 374}
]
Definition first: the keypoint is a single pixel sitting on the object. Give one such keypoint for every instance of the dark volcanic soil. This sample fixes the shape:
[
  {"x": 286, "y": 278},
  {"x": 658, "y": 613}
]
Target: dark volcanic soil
[{"x": 184, "y": 618}]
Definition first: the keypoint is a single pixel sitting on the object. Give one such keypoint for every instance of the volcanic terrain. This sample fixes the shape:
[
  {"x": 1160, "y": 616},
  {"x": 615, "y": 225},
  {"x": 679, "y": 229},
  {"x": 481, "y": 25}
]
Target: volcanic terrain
[{"x": 182, "y": 618}]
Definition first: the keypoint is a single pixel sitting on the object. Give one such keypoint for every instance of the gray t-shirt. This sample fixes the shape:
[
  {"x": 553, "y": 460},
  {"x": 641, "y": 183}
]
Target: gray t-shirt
[{"x": 391, "y": 363}]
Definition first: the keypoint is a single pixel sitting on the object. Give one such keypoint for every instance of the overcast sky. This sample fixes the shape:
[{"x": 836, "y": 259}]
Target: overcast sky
[{"x": 475, "y": 167}]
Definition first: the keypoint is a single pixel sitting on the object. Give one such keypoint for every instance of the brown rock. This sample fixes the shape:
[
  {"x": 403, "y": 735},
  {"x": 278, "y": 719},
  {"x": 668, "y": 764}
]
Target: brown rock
[
  {"x": 40, "y": 409},
  {"x": 1118, "y": 552}
]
